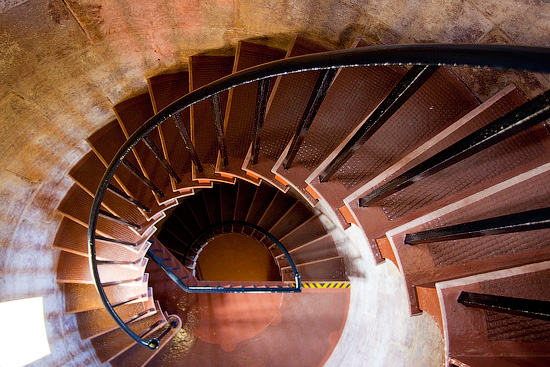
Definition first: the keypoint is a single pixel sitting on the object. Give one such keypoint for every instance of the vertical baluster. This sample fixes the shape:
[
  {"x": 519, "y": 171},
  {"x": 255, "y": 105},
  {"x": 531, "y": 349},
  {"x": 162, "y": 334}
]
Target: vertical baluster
[
  {"x": 158, "y": 154},
  {"x": 514, "y": 306},
  {"x": 407, "y": 86},
  {"x": 216, "y": 104},
  {"x": 143, "y": 179},
  {"x": 121, "y": 194},
  {"x": 259, "y": 117},
  {"x": 114, "y": 218},
  {"x": 518, "y": 222},
  {"x": 514, "y": 122},
  {"x": 324, "y": 81},
  {"x": 187, "y": 141}
]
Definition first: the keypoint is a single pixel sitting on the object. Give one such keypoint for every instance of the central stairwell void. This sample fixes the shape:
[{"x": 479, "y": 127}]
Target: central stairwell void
[{"x": 209, "y": 216}]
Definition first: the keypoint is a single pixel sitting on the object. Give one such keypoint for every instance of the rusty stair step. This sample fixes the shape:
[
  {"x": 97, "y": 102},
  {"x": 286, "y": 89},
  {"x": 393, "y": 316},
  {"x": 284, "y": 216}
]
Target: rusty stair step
[
  {"x": 165, "y": 89},
  {"x": 529, "y": 335},
  {"x": 87, "y": 173},
  {"x": 352, "y": 96},
  {"x": 73, "y": 268},
  {"x": 97, "y": 322},
  {"x": 282, "y": 115},
  {"x": 500, "y": 103},
  {"x": 197, "y": 207},
  {"x": 430, "y": 263},
  {"x": 330, "y": 269},
  {"x": 73, "y": 237},
  {"x": 204, "y": 69},
  {"x": 131, "y": 114},
  {"x": 319, "y": 249},
  {"x": 260, "y": 202},
  {"x": 435, "y": 106},
  {"x": 278, "y": 207},
  {"x": 77, "y": 205},
  {"x": 105, "y": 143},
  {"x": 228, "y": 197},
  {"x": 84, "y": 297},
  {"x": 308, "y": 231},
  {"x": 241, "y": 108},
  {"x": 184, "y": 214},
  {"x": 297, "y": 215},
  {"x": 178, "y": 229},
  {"x": 173, "y": 243},
  {"x": 112, "y": 344},
  {"x": 245, "y": 196},
  {"x": 212, "y": 204}
]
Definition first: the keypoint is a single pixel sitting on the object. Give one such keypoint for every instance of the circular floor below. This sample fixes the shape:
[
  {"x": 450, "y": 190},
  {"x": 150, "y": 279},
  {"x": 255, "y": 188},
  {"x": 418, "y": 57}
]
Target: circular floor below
[{"x": 236, "y": 256}]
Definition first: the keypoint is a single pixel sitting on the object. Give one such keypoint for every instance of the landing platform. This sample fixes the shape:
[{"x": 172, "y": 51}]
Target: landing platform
[{"x": 225, "y": 330}]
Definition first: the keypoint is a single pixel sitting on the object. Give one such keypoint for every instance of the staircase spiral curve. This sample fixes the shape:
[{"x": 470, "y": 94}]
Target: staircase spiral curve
[{"x": 290, "y": 148}]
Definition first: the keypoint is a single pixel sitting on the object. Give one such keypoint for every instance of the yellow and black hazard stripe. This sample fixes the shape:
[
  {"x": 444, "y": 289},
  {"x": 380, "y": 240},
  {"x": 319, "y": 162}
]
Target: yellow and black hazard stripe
[{"x": 326, "y": 285}]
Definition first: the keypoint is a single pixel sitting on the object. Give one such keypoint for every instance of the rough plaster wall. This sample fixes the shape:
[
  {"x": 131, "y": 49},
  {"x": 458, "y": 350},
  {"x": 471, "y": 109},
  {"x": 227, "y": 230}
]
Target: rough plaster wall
[{"x": 64, "y": 63}]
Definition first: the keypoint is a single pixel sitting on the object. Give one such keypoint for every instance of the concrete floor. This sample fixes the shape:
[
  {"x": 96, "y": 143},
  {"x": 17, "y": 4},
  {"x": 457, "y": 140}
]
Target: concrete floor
[
  {"x": 230, "y": 330},
  {"x": 379, "y": 328}
]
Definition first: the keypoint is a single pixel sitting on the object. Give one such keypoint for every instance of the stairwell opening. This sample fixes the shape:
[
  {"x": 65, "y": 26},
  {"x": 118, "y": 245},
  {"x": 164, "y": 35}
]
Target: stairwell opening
[
  {"x": 195, "y": 233},
  {"x": 239, "y": 253},
  {"x": 230, "y": 319}
]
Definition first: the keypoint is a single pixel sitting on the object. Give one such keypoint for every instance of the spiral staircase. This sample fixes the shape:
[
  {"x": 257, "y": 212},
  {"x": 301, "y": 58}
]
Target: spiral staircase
[{"x": 408, "y": 155}]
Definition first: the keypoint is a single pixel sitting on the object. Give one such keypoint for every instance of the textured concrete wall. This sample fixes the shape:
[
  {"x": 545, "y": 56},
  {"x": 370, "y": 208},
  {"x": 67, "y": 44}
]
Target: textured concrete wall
[{"x": 64, "y": 63}]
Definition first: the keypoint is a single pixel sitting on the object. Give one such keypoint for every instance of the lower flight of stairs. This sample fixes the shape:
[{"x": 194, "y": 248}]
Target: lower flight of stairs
[
  {"x": 196, "y": 221},
  {"x": 179, "y": 169}
]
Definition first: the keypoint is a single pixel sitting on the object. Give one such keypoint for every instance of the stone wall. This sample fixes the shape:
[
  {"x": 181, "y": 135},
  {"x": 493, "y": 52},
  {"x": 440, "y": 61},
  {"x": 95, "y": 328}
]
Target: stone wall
[{"x": 63, "y": 64}]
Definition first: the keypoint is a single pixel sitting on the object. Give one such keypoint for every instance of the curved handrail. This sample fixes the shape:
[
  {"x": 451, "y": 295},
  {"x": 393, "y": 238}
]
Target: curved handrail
[
  {"x": 534, "y": 59},
  {"x": 257, "y": 228}
]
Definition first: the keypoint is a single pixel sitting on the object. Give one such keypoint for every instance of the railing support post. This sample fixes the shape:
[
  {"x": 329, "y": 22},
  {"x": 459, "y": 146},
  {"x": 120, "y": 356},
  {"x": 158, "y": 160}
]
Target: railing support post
[
  {"x": 525, "y": 116},
  {"x": 216, "y": 104},
  {"x": 407, "y": 86},
  {"x": 184, "y": 133},
  {"x": 259, "y": 117},
  {"x": 324, "y": 81},
  {"x": 514, "y": 306}
]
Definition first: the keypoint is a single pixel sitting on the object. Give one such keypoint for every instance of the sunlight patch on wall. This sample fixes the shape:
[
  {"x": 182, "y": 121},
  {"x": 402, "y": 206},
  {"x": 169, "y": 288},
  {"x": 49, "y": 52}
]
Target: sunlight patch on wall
[{"x": 24, "y": 332}]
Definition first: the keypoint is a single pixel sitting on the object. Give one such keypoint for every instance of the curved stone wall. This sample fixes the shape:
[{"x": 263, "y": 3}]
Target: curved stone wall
[{"x": 63, "y": 64}]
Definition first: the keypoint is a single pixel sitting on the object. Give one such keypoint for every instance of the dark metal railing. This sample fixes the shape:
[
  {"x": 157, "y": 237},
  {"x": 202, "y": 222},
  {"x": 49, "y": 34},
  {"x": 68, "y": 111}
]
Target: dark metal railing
[
  {"x": 422, "y": 57},
  {"x": 518, "y": 222},
  {"x": 534, "y": 309}
]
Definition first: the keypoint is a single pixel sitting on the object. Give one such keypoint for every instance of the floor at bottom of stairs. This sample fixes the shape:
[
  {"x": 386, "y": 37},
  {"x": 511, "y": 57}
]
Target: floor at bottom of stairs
[
  {"x": 378, "y": 330},
  {"x": 261, "y": 330}
]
